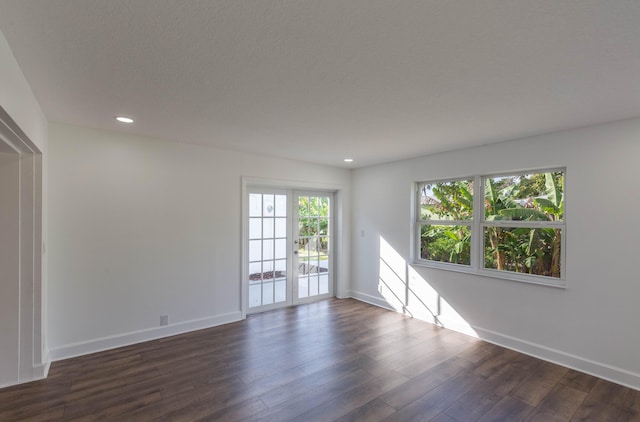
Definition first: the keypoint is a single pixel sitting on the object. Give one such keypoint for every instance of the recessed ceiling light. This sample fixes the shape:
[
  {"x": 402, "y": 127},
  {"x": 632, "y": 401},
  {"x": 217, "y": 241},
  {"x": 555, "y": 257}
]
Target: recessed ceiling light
[
  {"x": 348, "y": 160},
  {"x": 123, "y": 119}
]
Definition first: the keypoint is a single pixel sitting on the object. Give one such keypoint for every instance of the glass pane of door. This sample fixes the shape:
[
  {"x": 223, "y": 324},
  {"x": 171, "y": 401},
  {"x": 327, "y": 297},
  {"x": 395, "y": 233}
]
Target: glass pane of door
[
  {"x": 267, "y": 249},
  {"x": 312, "y": 243}
]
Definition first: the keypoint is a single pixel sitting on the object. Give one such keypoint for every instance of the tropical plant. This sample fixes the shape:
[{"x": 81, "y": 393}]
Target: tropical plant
[
  {"x": 534, "y": 250},
  {"x": 452, "y": 201},
  {"x": 313, "y": 223}
]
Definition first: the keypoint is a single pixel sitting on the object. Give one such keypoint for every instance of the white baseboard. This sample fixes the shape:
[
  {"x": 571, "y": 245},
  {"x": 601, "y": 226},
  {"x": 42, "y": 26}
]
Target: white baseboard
[
  {"x": 41, "y": 371},
  {"x": 38, "y": 372},
  {"x": 126, "y": 339},
  {"x": 372, "y": 300},
  {"x": 597, "y": 369},
  {"x": 579, "y": 363},
  {"x": 11, "y": 384}
]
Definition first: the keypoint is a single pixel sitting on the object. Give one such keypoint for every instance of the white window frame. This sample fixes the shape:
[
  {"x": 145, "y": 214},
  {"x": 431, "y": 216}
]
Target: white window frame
[{"x": 478, "y": 224}]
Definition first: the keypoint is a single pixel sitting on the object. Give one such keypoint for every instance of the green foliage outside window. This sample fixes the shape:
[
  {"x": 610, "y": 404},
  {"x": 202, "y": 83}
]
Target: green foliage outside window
[
  {"x": 313, "y": 225},
  {"x": 447, "y": 201},
  {"x": 446, "y": 244},
  {"x": 532, "y": 249}
]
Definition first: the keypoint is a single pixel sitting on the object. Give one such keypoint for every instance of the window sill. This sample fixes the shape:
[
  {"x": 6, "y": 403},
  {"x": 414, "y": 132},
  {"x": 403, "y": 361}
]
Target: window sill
[{"x": 502, "y": 275}]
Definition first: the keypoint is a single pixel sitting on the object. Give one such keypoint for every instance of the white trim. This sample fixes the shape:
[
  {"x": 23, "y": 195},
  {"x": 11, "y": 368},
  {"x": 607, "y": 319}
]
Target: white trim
[
  {"x": 134, "y": 337},
  {"x": 244, "y": 247},
  {"x": 484, "y": 272},
  {"x": 289, "y": 184},
  {"x": 579, "y": 363},
  {"x": 371, "y": 300},
  {"x": 46, "y": 367},
  {"x": 524, "y": 224},
  {"x": 312, "y": 299},
  {"x": 520, "y": 172},
  {"x": 39, "y": 372},
  {"x": 342, "y": 242},
  {"x": 32, "y": 360}
]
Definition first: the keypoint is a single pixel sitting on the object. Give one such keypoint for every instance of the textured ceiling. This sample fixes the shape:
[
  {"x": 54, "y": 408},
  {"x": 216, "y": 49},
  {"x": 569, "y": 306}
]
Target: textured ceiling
[{"x": 321, "y": 80}]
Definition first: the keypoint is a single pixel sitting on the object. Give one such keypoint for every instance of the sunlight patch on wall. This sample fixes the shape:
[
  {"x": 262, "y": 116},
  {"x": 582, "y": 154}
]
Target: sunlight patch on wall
[
  {"x": 392, "y": 281},
  {"x": 406, "y": 291}
]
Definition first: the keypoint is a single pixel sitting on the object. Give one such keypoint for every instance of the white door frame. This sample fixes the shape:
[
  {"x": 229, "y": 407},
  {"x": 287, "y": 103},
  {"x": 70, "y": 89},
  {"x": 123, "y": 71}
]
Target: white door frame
[
  {"x": 339, "y": 276},
  {"x": 23, "y": 277}
]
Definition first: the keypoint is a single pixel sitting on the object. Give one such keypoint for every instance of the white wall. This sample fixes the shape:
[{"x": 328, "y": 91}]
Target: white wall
[
  {"x": 141, "y": 227},
  {"x": 591, "y": 325},
  {"x": 23, "y": 124}
]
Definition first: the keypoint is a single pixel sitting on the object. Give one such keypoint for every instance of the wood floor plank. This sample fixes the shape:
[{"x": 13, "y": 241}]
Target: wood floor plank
[
  {"x": 433, "y": 403},
  {"x": 47, "y": 412},
  {"x": 443, "y": 417},
  {"x": 402, "y": 356},
  {"x": 633, "y": 400},
  {"x": 610, "y": 393},
  {"x": 114, "y": 411},
  {"x": 339, "y": 360},
  {"x": 483, "y": 398},
  {"x": 475, "y": 403},
  {"x": 312, "y": 381},
  {"x": 417, "y": 387},
  {"x": 560, "y": 405},
  {"x": 508, "y": 409},
  {"x": 211, "y": 399},
  {"x": 353, "y": 398},
  {"x": 373, "y": 411},
  {"x": 430, "y": 357},
  {"x": 578, "y": 380},
  {"x": 296, "y": 406},
  {"x": 238, "y": 412},
  {"x": 179, "y": 404},
  {"x": 539, "y": 384},
  {"x": 496, "y": 361},
  {"x": 598, "y": 412}
]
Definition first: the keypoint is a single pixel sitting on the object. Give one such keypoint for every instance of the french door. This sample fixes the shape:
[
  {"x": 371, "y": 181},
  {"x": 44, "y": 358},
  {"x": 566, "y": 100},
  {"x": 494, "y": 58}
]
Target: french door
[{"x": 289, "y": 244}]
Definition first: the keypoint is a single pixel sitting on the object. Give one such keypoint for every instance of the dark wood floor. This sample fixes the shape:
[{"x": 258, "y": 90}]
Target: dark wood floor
[{"x": 333, "y": 360}]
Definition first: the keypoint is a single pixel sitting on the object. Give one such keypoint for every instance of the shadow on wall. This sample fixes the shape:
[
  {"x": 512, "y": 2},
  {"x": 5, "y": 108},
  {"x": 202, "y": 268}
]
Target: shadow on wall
[{"x": 406, "y": 291}]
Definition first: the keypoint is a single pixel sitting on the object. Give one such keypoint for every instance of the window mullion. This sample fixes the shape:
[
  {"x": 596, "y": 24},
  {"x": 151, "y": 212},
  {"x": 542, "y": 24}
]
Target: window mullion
[
  {"x": 446, "y": 222},
  {"x": 477, "y": 254}
]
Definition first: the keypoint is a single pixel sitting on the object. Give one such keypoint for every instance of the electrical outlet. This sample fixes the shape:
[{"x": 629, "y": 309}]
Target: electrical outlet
[{"x": 164, "y": 319}]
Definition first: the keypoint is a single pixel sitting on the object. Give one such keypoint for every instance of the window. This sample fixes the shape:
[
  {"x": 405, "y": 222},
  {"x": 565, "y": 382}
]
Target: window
[
  {"x": 445, "y": 220},
  {"x": 513, "y": 228}
]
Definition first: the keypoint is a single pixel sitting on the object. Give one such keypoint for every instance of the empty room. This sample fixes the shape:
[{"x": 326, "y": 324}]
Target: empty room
[{"x": 320, "y": 210}]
